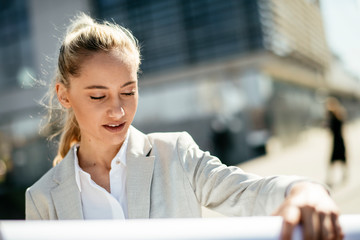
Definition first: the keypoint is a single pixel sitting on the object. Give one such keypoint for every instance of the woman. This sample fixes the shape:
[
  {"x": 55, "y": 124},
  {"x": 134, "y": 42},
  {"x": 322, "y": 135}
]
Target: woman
[
  {"x": 336, "y": 116},
  {"x": 106, "y": 169}
]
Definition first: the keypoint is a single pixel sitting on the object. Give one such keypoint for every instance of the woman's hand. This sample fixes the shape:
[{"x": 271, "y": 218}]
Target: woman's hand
[{"x": 310, "y": 205}]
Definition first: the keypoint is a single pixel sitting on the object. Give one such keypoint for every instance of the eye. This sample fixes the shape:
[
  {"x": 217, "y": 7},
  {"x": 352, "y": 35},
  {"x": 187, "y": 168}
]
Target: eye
[
  {"x": 128, "y": 94},
  {"x": 97, "y": 98}
]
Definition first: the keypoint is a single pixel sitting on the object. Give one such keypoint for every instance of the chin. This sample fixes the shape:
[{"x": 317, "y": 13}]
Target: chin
[{"x": 116, "y": 141}]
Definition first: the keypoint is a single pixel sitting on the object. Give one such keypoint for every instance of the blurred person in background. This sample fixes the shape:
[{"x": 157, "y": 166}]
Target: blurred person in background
[
  {"x": 107, "y": 169},
  {"x": 336, "y": 115}
]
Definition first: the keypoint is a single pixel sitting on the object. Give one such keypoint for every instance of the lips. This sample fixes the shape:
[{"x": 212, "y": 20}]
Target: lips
[{"x": 114, "y": 127}]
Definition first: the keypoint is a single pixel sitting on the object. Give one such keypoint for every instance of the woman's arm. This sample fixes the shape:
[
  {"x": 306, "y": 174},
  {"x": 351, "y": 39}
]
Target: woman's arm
[{"x": 229, "y": 190}]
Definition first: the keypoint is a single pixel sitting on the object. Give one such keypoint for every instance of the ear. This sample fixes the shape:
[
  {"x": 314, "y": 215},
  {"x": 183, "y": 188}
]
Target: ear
[{"x": 62, "y": 95}]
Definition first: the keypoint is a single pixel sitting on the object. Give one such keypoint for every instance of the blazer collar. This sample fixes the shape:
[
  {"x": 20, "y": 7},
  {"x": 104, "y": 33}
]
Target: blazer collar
[
  {"x": 66, "y": 195},
  {"x": 140, "y": 167}
]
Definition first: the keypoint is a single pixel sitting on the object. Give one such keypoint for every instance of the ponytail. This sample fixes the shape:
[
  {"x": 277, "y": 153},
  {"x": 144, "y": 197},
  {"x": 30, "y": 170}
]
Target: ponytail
[{"x": 69, "y": 137}]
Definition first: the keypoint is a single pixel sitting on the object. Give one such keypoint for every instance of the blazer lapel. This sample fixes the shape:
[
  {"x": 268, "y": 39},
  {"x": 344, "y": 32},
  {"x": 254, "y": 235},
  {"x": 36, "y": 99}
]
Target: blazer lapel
[
  {"x": 140, "y": 167},
  {"x": 66, "y": 196}
]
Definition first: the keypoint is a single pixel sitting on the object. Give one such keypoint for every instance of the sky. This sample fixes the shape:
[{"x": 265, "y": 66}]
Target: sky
[{"x": 342, "y": 27}]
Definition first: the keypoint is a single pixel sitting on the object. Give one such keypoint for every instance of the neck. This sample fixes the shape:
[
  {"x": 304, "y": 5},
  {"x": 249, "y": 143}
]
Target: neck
[{"x": 101, "y": 155}]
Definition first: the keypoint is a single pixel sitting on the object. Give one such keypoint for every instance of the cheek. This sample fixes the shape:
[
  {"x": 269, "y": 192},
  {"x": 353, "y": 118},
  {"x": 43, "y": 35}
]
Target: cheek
[
  {"x": 85, "y": 115},
  {"x": 134, "y": 105},
  {"x": 81, "y": 116}
]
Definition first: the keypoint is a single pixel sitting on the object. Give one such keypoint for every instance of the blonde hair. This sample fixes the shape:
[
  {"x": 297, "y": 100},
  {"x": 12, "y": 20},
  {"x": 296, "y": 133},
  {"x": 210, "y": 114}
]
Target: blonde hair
[{"x": 83, "y": 38}]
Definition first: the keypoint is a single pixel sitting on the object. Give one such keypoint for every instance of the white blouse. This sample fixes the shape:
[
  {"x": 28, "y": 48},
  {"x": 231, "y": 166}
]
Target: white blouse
[{"x": 97, "y": 203}]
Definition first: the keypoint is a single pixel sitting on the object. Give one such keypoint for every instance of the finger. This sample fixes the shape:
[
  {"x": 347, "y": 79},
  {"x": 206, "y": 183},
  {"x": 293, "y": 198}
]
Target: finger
[
  {"x": 336, "y": 226},
  {"x": 287, "y": 230},
  {"x": 326, "y": 227},
  {"x": 310, "y": 223},
  {"x": 291, "y": 217}
]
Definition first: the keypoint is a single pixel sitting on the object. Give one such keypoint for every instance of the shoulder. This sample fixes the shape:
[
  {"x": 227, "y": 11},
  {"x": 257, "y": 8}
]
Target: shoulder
[
  {"x": 43, "y": 186},
  {"x": 53, "y": 176},
  {"x": 179, "y": 139}
]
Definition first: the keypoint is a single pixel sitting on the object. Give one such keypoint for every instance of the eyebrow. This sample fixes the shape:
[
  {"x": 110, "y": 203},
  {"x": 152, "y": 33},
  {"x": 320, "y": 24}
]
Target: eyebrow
[{"x": 103, "y": 87}]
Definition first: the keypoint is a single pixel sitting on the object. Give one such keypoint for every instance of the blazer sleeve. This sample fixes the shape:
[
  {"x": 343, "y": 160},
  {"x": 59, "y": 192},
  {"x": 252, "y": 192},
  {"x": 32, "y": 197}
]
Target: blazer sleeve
[
  {"x": 230, "y": 190},
  {"x": 31, "y": 211}
]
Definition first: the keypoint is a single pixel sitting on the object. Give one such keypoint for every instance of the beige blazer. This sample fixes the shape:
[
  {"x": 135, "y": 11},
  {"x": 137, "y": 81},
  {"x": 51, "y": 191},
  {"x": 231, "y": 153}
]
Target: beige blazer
[{"x": 167, "y": 176}]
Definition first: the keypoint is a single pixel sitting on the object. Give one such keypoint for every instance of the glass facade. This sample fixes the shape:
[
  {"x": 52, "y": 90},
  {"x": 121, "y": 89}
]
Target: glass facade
[
  {"x": 23, "y": 154},
  {"x": 183, "y": 32},
  {"x": 15, "y": 44}
]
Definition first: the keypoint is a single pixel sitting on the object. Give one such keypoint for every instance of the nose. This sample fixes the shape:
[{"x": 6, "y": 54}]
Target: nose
[{"x": 116, "y": 111}]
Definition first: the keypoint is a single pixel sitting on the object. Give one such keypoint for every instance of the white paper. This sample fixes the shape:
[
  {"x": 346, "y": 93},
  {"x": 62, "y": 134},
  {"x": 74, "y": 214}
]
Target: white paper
[{"x": 159, "y": 229}]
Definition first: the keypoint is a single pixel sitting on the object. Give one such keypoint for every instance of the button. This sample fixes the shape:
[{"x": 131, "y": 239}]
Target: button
[{"x": 117, "y": 162}]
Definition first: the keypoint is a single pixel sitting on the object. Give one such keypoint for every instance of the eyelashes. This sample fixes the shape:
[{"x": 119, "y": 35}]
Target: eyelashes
[
  {"x": 102, "y": 97},
  {"x": 97, "y": 98},
  {"x": 128, "y": 94}
]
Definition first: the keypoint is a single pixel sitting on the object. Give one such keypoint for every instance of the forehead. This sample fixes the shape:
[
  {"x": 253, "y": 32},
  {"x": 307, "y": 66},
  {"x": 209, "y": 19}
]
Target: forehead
[
  {"x": 111, "y": 58},
  {"x": 107, "y": 67}
]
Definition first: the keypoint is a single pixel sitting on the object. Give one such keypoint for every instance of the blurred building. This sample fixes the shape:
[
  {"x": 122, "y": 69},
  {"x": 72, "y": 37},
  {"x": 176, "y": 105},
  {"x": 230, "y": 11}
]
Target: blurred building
[{"x": 232, "y": 73}]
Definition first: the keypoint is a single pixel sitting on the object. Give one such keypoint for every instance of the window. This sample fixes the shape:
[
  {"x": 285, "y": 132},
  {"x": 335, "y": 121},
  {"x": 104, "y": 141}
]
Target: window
[
  {"x": 15, "y": 41},
  {"x": 182, "y": 32}
]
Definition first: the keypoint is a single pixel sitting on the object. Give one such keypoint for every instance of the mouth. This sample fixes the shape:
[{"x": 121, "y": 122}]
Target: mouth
[{"x": 114, "y": 128}]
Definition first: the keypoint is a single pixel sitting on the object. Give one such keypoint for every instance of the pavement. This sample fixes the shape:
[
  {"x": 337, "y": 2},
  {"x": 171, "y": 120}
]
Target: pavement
[{"x": 309, "y": 156}]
